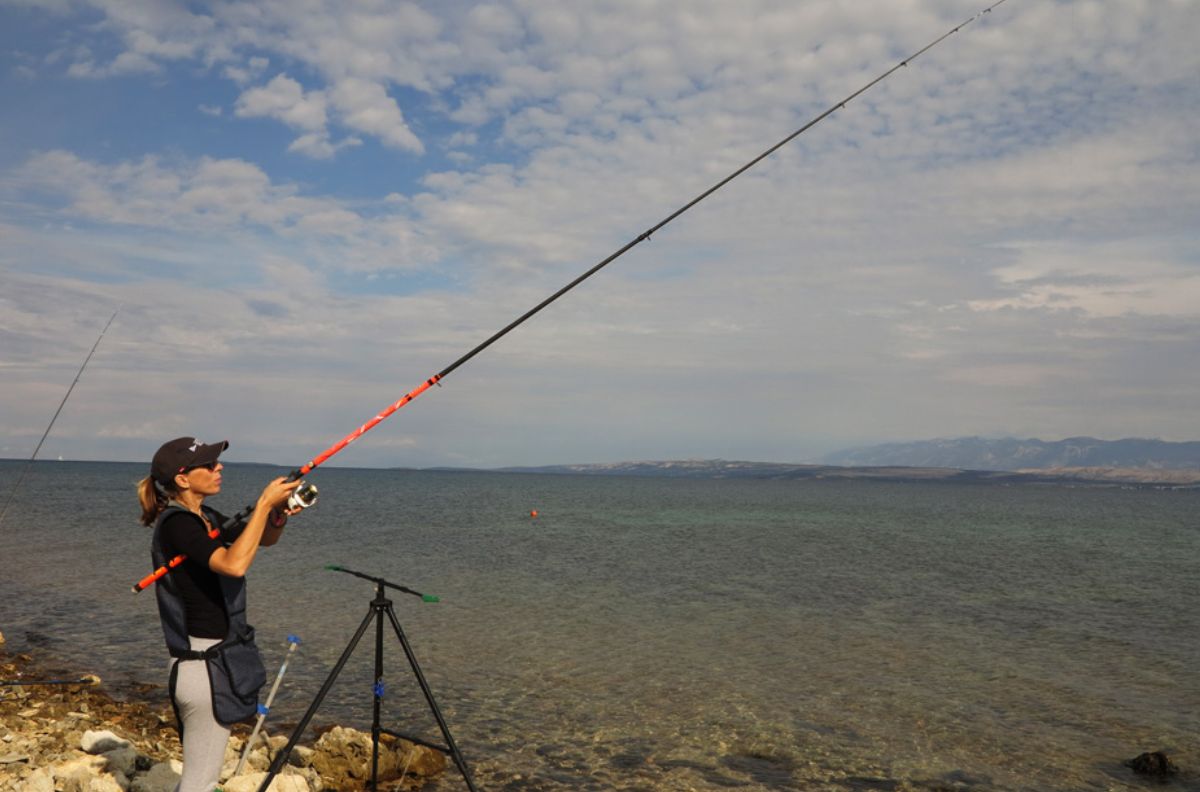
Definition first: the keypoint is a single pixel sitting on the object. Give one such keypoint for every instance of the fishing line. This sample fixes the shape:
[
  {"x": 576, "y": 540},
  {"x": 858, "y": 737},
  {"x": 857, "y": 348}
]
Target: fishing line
[
  {"x": 13, "y": 493},
  {"x": 640, "y": 238}
]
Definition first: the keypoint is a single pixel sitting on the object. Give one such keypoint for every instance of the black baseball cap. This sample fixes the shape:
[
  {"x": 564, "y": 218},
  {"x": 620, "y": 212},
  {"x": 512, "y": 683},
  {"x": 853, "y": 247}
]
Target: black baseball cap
[{"x": 182, "y": 453}]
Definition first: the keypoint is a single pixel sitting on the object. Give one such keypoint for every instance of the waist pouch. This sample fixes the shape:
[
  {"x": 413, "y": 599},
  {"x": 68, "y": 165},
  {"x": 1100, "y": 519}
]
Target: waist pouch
[{"x": 235, "y": 673}]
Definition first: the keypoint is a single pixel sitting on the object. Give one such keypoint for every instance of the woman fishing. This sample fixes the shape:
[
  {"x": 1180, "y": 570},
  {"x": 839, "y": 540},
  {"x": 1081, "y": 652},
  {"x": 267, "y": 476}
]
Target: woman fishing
[{"x": 216, "y": 671}]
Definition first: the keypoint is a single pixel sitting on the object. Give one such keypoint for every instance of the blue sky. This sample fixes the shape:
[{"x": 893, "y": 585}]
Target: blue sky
[{"x": 304, "y": 209}]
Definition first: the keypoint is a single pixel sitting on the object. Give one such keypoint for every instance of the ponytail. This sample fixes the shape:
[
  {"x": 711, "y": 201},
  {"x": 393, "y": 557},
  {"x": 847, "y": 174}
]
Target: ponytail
[{"x": 152, "y": 498}]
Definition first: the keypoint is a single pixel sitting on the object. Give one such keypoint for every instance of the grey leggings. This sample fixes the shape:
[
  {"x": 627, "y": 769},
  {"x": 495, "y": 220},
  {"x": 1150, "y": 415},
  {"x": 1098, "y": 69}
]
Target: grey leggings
[{"x": 203, "y": 738}]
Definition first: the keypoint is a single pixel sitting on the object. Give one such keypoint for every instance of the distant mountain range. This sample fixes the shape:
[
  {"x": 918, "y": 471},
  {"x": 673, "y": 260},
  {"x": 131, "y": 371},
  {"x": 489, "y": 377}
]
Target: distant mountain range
[
  {"x": 1078, "y": 460},
  {"x": 978, "y": 453}
]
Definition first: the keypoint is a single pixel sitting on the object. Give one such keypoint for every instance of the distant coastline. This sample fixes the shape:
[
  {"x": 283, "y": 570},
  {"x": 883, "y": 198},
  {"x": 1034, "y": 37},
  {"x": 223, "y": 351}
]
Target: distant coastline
[
  {"x": 1130, "y": 462},
  {"x": 1017, "y": 454},
  {"x": 724, "y": 469}
]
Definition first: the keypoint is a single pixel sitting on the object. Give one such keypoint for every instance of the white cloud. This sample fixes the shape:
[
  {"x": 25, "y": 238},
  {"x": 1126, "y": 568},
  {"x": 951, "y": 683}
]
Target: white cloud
[
  {"x": 206, "y": 194},
  {"x": 286, "y": 100},
  {"x": 254, "y": 67},
  {"x": 1100, "y": 280},
  {"x": 364, "y": 106},
  {"x": 318, "y": 145}
]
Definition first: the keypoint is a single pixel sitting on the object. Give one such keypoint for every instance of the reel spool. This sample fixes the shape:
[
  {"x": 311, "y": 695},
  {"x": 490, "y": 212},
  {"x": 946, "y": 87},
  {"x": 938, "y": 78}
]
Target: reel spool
[{"x": 303, "y": 496}]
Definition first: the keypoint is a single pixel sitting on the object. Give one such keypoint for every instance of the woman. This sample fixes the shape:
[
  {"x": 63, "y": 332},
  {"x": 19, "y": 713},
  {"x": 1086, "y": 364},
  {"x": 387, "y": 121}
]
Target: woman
[{"x": 215, "y": 671}]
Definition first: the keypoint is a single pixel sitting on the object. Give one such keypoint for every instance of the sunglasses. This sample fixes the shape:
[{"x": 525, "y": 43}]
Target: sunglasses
[{"x": 211, "y": 467}]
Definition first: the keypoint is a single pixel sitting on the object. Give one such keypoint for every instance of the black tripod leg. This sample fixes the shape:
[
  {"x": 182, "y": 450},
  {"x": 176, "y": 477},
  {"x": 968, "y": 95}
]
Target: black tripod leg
[
  {"x": 282, "y": 756},
  {"x": 437, "y": 713},
  {"x": 379, "y": 605}
]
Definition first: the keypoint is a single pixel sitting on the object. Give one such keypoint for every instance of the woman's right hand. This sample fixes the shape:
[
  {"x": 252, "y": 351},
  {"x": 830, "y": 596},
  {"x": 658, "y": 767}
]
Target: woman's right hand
[{"x": 276, "y": 493}]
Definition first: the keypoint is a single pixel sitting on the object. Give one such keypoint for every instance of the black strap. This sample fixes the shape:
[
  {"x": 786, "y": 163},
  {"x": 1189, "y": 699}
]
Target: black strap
[
  {"x": 192, "y": 654},
  {"x": 207, "y": 654}
]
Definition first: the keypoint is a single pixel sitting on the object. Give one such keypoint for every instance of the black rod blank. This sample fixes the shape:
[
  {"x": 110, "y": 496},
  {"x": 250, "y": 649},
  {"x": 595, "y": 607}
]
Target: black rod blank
[{"x": 645, "y": 235}]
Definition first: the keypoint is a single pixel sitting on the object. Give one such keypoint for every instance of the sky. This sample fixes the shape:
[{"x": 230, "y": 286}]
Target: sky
[{"x": 303, "y": 209}]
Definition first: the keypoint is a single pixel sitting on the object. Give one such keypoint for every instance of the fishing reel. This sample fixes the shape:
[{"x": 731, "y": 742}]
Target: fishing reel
[{"x": 303, "y": 496}]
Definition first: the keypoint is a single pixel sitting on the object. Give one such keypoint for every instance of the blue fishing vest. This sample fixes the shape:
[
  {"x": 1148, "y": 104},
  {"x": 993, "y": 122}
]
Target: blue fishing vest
[{"x": 235, "y": 668}]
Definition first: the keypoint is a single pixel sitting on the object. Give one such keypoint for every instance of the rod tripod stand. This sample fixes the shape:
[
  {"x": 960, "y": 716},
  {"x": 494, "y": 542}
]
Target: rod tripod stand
[{"x": 380, "y": 607}]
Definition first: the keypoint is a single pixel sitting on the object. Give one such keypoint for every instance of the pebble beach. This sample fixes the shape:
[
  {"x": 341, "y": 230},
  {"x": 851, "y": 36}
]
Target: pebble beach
[{"x": 60, "y": 731}]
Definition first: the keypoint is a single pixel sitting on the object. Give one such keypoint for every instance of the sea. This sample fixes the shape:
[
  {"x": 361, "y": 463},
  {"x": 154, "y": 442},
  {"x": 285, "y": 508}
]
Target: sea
[{"x": 645, "y": 633}]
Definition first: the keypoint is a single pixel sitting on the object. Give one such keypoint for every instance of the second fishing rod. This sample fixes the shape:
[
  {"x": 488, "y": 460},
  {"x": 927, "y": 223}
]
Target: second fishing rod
[{"x": 324, "y": 456}]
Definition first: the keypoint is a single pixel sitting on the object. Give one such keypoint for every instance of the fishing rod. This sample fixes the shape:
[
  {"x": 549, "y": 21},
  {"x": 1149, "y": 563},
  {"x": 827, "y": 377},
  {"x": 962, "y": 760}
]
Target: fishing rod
[
  {"x": 436, "y": 379},
  {"x": 13, "y": 493},
  {"x": 90, "y": 679}
]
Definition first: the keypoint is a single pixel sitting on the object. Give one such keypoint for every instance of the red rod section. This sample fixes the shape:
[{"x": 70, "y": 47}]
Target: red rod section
[
  {"x": 368, "y": 426},
  {"x": 150, "y": 579},
  {"x": 157, "y": 574}
]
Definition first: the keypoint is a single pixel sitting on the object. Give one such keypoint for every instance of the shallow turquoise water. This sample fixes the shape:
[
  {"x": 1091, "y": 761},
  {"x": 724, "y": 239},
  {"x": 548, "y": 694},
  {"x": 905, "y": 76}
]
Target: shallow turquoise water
[{"x": 649, "y": 633}]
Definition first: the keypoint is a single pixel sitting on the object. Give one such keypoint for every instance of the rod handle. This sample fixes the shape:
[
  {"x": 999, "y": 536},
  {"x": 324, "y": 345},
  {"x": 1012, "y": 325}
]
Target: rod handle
[{"x": 159, "y": 573}]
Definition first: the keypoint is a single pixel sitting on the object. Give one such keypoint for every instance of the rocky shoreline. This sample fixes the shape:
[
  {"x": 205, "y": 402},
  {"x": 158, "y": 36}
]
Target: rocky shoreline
[{"x": 64, "y": 733}]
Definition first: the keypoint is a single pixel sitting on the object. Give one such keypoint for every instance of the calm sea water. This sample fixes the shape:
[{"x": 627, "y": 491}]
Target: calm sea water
[{"x": 672, "y": 634}]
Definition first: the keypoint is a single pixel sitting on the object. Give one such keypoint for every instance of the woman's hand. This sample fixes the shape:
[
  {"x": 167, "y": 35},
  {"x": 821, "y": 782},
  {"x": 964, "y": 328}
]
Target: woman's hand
[
  {"x": 276, "y": 494},
  {"x": 233, "y": 561}
]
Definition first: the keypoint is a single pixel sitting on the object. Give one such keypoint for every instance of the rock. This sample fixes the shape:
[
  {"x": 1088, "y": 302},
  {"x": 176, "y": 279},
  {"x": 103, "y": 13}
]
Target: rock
[
  {"x": 280, "y": 783},
  {"x": 1153, "y": 764},
  {"x": 423, "y": 761},
  {"x": 84, "y": 774},
  {"x": 227, "y": 770},
  {"x": 160, "y": 778},
  {"x": 343, "y": 757},
  {"x": 122, "y": 760},
  {"x": 261, "y": 759},
  {"x": 40, "y": 780},
  {"x": 314, "y": 778},
  {"x": 70, "y": 767},
  {"x": 97, "y": 742},
  {"x": 301, "y": 756}
]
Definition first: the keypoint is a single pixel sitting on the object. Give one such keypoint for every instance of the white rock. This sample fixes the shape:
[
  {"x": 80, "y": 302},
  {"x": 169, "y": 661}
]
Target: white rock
[
  {"x": 301, "y": 756},
  {"x": 314, "y": 778},
  {"x": 95, "y": 742},
  {"x": 40, "y": 780},
  {"x": 280, "y": 783},
  {"x": 84, "y": 774},
  {"x": 86, "y": 764},
  {"x": 104, "y": 783},
  {"x": 161, "y": 778},
  {"x": 257, "y": 760}
]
